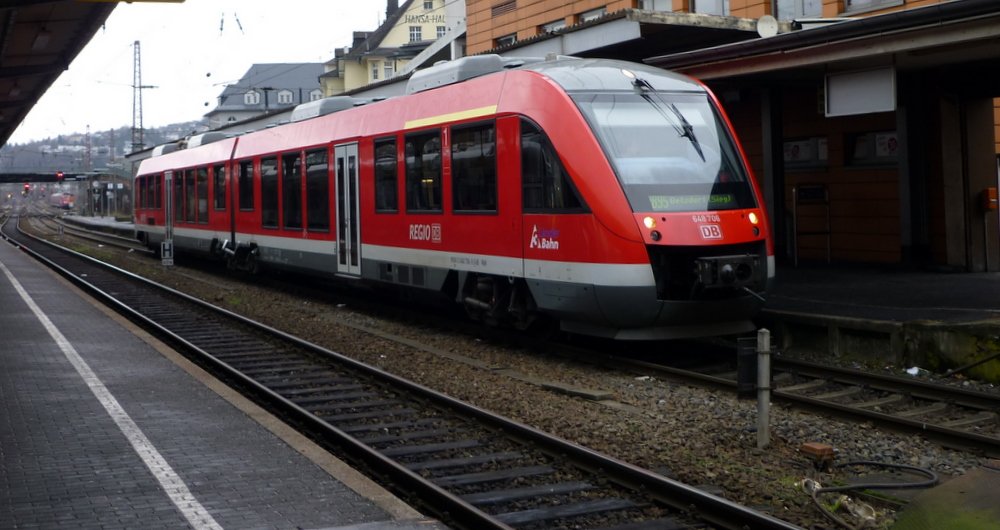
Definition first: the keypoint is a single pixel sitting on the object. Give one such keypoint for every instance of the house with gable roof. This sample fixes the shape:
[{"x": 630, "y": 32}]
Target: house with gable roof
[
  {"x": 267, "y": 88},
  {"x": 418, "y": 32}
]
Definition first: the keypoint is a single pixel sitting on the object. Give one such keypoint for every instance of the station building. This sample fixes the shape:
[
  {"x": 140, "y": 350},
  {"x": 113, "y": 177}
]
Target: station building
[{"x": 871, "y": 123}]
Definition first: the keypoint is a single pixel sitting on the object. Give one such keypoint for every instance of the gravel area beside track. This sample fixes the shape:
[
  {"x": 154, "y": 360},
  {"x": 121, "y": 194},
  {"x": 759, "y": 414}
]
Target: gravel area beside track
[{"x": 700, "y": 436}]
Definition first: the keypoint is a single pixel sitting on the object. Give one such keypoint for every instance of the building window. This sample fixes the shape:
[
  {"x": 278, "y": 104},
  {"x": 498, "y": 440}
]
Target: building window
[
  {"x": 416, "y": 34},
  {"x": 553, "y": 26},
  {"x": 503, "y": 8},
  {"x": 711, "y": 7},
  {"x": 592, "y": 14},
  {"x": 441, "y": 30},
  {"x": 656, "y": 5},
  {"x": 428, "y": 5},
  {"x": 285, "y": 97},
  {"x": 252, "y": 97},
  {"x": 872, "y": 149},
  {"x": 315, "y": 94},
  {"x": 792, "y": 9},
  {"x": 375, "y": 66},
  {"x": 506, "y": 40},
  {"x": 865, "y": 5},
  {"x": 388, "y": 69}
]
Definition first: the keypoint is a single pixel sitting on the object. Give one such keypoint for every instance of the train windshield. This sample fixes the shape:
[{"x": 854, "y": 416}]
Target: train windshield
[{"x": 671, "y": 151}]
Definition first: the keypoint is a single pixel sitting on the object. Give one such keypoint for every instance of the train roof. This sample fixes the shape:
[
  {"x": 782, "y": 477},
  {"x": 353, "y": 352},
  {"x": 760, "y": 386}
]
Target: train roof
[
  {"x": 571, "y": 73},
  {"x": 575, "y": 74}
]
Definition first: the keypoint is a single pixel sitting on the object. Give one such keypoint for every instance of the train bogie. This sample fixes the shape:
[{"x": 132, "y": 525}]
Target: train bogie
[{"x": 609, "y": 196}]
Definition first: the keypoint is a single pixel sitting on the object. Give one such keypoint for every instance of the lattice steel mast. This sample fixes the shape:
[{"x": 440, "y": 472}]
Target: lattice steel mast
[{"x": 137, "y": 141}]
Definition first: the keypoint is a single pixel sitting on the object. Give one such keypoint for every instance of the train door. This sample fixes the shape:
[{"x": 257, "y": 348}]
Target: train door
[{"x": 348, "y": 222}]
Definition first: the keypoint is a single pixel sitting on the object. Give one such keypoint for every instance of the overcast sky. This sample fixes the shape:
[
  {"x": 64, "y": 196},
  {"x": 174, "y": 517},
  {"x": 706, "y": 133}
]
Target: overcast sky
[{"x": 186, "y": 55}]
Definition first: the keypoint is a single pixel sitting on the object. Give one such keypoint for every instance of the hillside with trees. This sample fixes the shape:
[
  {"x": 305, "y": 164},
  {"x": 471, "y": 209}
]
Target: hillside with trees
[{"x": 68, "y": 152}]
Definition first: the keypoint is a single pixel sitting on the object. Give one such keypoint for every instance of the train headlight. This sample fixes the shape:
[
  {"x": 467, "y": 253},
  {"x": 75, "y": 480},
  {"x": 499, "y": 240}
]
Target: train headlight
[
  {"x": 753, "y": 218},
  {"x": 655, "y": 235},
  {"x": 649, "y": 222}
]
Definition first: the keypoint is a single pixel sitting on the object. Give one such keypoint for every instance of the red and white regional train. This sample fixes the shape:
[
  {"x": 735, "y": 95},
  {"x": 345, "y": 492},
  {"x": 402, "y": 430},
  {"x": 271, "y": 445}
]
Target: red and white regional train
[{"x": 611, "y": 196}]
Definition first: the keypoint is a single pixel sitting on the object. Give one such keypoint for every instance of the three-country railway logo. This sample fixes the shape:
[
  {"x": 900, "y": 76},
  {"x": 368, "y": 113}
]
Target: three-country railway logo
[
  {"x": 426, "y": 232},
  {"x": 710, "y": 231},
  {"x": 544, "y": 239}
]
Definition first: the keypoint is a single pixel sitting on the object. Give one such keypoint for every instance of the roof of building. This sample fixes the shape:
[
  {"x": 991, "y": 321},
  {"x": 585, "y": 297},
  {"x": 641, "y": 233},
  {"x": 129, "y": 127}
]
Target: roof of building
[
  {"x": 375, "y": 38},
  {"x": 299, "y": 78}
]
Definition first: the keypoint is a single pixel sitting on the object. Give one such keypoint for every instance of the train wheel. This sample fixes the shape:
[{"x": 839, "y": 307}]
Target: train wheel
[
  {"x": 251, "y": 265},
  {"x": 497, "y": 300}
]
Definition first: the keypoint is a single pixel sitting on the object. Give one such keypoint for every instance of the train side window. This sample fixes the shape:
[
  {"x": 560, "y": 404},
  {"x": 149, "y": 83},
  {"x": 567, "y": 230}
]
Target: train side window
[
  {"x": 545, "y": 184},
  {"x": 201, "y": 185},
  {"x": 317, "y": 191},
  {"x": 190, "y": 204},
  {"x": 386, "y": 176},
  {"x": 246, "y": 185},
  {"x": 269, "y": 192},
  {"x": 158, "y": 191},
  {"x": 474, "y": 168},
  {"x": 291, "y": 190},
  {"x": 219, "y": 178},
  {"x": 423, "y": 171},
  {"x": 178, "y": 196},
  {"x": 140, "y": 192}
]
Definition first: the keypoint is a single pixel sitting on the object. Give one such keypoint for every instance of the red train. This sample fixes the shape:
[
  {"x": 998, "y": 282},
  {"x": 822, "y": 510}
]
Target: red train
[
  {"x": 610, "y": 196},
  {"x": 65, "y": 201}
]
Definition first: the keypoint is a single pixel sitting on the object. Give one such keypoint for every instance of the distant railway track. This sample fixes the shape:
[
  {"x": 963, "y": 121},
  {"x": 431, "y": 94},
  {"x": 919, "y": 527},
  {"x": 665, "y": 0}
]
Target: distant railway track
[
  {"x": 466, "y": 465},
  {"x": 47, "y": 222},
  {"x": 952, "y": 416}
]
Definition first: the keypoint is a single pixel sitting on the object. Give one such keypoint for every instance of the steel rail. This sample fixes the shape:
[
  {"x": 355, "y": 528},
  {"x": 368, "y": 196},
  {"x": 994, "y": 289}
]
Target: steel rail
[{"x": 682, "y": 497}]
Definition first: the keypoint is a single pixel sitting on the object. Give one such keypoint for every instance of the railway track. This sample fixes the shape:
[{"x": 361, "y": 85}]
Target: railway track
[
  {"x": 55, "y": 225},
  {"x": 952, "y": 416},
  {"x": 467, "y": 466}
]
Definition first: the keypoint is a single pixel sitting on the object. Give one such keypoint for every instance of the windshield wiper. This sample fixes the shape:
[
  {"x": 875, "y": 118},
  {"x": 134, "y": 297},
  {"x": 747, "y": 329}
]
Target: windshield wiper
[{"x": 683, "y": 128}]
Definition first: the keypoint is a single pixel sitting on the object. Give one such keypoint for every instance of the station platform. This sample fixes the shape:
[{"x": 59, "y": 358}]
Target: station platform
[
  {"x": 102, "y": 426},
  {"x": 935, "y": 321}
]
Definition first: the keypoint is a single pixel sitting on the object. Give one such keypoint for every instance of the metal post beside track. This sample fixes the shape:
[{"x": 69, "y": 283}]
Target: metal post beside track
[{"x": 763, "y": 388}]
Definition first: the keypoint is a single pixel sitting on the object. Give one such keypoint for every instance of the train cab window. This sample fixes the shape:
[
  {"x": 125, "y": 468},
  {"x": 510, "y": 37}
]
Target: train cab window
[
  {"x": 474, "y": 168},
  {"x": 317, "y": 191},
  {"x": 190, "y": 196},
  {"x": 201, "y": 190},
  {"x": 423, "y": 171},
  {"x": 246, "y": 185},
  {"x": 269, "y": 192},
  {"x": 386, "y": 190},
  {"x": 219, "y": 182},
  {"x": 546, "y": 186},
  {"x": 178, "y": 191},
  {"x": 291, "y": 190}
]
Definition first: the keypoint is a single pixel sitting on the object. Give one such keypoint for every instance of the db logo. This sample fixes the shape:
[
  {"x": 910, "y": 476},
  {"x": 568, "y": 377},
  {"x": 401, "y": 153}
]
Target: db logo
[{"x": 710, "y": 231}]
